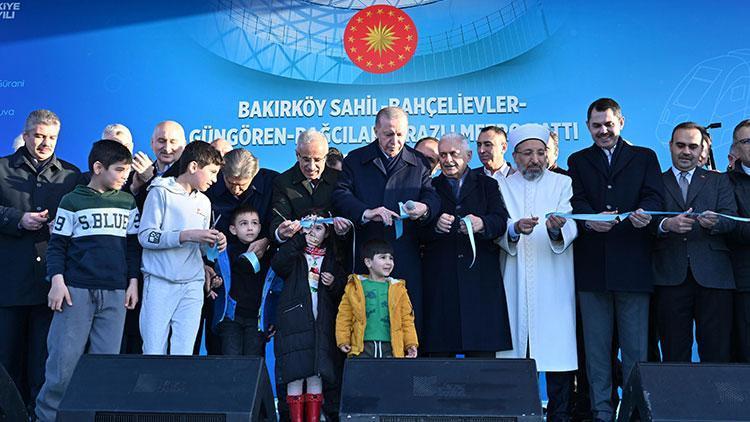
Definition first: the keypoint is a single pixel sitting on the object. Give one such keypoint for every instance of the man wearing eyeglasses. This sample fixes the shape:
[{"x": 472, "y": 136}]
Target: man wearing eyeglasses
[{"x": 740, "y": 244}]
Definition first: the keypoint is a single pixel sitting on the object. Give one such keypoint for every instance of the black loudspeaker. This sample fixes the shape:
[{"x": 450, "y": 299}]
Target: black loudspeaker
[
  {"x": 129, "y": 388},
  {"x": 12, "y": 407},
  {"x": 687, "y": 392},
  {"x": 445, "y": 390}
]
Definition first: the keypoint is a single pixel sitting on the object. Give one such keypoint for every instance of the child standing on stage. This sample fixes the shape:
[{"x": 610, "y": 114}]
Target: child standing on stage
[
  {"x": 175, "y": 224},
  {"x": 375, "y": 318},
  {"x": 304, "y": 342},
  {"x": 92, "y": 259},
  {"x": 240, "y": 336}
]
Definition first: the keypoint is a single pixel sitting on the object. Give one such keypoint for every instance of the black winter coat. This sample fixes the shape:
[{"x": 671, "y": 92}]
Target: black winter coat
[
  {"x": 305, "y": 346},
  {"x": 23, "y": 252}
]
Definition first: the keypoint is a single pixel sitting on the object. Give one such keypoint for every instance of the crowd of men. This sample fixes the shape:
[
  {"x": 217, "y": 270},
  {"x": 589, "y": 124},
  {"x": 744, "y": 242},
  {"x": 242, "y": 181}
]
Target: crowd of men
[{"x": 496, "y": 263}]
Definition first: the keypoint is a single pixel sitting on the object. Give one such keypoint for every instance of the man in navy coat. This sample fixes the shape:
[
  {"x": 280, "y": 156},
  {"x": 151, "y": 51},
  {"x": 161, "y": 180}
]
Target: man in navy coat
[
  {"x": 374, "y": 179},
  {"x": 613, "y": 258},
  {"x": 464, "y": 298}
]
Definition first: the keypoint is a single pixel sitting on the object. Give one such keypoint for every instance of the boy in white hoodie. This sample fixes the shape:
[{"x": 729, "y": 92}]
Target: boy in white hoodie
[{"x": 175, "y": 224}]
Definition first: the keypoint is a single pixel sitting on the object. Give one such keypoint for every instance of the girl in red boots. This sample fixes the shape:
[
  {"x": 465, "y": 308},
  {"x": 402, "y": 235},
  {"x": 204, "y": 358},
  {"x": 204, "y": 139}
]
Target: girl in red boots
[{"x": 304, "y": 343}]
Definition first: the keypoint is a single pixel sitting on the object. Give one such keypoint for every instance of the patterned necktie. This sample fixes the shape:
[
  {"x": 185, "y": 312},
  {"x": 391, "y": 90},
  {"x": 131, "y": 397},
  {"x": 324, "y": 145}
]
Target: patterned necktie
[{"x": 684, "y": 185}]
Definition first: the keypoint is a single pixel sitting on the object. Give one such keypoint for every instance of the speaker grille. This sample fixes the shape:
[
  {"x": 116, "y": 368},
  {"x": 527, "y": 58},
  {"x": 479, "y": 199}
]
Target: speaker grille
[
  {"x": 446, "y": 419},
  {"x": 157, "y": 417}
]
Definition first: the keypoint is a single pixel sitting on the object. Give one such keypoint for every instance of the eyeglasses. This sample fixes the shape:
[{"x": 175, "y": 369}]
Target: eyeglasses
[{"x": 744, "y": 141}]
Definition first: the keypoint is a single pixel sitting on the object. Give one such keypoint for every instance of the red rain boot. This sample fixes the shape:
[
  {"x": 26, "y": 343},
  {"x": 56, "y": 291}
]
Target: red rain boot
[
  {"x": 313, "y": 403},
  {"x": 296, "y": 407}
]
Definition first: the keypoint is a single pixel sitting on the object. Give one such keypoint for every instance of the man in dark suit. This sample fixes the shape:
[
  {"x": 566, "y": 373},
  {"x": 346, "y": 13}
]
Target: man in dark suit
[
  {"x": 374, "y": 180},
  {"x": 740, "y": 240},
  {"x": 32, "y": 182},
  {"x": 692, "y": 265},
  {"x": 465, "y": 308},
  {"x": 613, "y": 258},
  {"x": 307, "y": 185}
]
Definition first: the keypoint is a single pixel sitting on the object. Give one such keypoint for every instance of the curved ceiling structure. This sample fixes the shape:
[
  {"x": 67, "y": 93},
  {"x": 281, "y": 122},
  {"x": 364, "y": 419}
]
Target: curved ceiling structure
[{"x": 303, "y": 39}]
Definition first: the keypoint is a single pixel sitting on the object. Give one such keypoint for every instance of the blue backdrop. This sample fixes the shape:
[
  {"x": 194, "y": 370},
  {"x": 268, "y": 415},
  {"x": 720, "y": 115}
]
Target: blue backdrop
[{"x": 198, "y": 62}]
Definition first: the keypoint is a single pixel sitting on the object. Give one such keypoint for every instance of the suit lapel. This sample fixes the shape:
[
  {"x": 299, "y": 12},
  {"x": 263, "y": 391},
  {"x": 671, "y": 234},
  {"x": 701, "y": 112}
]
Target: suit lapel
[
  {"x": 594, "y": 155},
  {"x": 670, "y": 183},
  {"x": 468, "y": 186},
  {"x": 621, "y": 158},
  {"x": 697, "y": 182},
  {"x": 443, "y": 187}
]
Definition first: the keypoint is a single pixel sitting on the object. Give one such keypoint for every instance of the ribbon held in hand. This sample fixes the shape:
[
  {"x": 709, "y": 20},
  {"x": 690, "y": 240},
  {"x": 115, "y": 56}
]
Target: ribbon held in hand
[
  {"x": 253, "y": 258},
  {"x": 622, "y": 216},
  {"x": 470, "y": 232}
]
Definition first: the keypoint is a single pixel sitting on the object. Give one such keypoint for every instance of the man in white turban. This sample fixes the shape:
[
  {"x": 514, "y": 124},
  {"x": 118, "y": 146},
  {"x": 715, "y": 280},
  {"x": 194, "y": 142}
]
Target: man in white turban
[{"x": 539, "y": 282}]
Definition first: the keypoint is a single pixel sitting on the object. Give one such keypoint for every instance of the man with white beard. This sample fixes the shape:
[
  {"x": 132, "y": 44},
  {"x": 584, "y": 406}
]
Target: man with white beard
[{"x": 539, "y": 282}]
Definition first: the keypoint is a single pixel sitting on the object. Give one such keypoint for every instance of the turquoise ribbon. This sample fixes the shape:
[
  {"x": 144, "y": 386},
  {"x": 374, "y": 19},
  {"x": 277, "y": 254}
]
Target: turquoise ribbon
[
  {"x": 470, "y": 232},
  {"x": 398, "y": 224},
  {"x": 306, "y": 223},
  {"x": 212, "y": 252},
  {"x": 250, "y": 256},
  {"x": 622, "y": 216},
  {"x": 225, "y": 305}
]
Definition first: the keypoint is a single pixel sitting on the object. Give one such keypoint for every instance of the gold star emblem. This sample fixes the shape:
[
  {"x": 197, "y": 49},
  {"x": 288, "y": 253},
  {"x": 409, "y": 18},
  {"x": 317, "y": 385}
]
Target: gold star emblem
[
  {"x": 360, "y": 20},
  {"x": 390, "y": 13},
  {"x": 353, "y": 49},
  {"x": 407, "y": 27},
  {"x": 359, "y": 58},
  {"x": 380, "y": 11},
  {"x": 391, "y": 63},
  {"x": 369, "y": 13},
  {"x": 409, "y": 37},
  {"x": 351, "y": 39},
  {"x": 380, "y": 38},
  {"x": 380, "y": 65},
  {"x": 407, "y": 48},
  {"x": 368, "y": 64},
  {"x": 400, "y": 18},
  {"x": 353, "y": 28},
  {"x": 401, "y": 57}
]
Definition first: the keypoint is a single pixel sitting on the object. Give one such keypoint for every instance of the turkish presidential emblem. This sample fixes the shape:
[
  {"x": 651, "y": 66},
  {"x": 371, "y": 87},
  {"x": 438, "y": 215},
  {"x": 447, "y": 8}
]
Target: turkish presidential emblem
[{"x": 380, "y": 39}]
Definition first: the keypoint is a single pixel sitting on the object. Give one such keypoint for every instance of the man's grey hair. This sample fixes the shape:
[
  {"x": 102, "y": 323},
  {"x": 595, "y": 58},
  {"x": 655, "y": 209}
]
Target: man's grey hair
[
  {"x": 116, "y": 131},
  {"x": 457, "y": 137},
  {"x": 390, "y": 113},
  {"x": 41, "y": 117},
  {"x": 308, "y": 137},
  {"x": 241, "y": 164}
]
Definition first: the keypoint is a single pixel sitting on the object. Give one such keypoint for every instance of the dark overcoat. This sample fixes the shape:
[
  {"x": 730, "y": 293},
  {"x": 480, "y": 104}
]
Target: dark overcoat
[
  {"x": 366, "y": 183},
  {"x": 304, "y": 345},
  {"x": 23, "y": 252},
  {"x": 464, "y": 305},
  {"x": 740, "y": 237},
  {"x": 619, "y": 260}
]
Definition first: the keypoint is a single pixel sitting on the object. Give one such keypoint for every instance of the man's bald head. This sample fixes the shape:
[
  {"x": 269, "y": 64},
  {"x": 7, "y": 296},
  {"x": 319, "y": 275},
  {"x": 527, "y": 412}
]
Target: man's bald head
[
  {"x": 168, "y": 141},
  {"x": 221, "y": 145}
]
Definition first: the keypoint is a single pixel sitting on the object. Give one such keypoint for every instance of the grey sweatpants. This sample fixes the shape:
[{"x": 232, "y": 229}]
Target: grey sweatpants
[
  {"x": 96, "y": 316},
  {"x": 167, "y": 305}
]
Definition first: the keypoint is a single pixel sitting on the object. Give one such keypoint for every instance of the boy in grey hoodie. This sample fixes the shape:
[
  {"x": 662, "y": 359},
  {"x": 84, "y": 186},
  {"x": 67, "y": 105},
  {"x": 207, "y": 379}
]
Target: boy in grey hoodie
[{"x": 175, "y": 224}]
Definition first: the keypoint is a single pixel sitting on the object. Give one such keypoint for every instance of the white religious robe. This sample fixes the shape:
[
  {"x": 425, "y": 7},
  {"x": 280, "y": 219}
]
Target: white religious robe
[{"x": 538, "y": 276}]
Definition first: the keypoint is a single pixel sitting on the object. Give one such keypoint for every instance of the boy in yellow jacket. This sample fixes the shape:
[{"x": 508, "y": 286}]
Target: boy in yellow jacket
[{"x": 375, "y": 318}]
